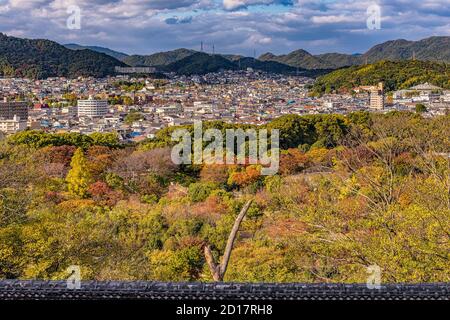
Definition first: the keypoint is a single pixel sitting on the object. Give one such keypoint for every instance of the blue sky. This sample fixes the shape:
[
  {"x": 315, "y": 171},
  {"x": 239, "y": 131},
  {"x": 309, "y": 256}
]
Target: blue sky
[{"x": 233, "y": 26}]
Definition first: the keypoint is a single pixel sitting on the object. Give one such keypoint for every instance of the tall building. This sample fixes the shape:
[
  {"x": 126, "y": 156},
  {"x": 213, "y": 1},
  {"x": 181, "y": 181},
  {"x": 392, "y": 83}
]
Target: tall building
[
  {"x": 11, "y": 109},
  {"x": 92, "y": 108},
  {"x": 377, "y": 97},
  {"x": 376, "y": 94}
]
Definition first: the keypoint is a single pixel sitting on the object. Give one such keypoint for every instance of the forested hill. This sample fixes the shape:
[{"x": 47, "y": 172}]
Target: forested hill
[
  {"x": 436, "y": 49},
  {"x": 44, "y": 58},
  {"x": 158, "y": 59},
  {"x": 395, "y": 75},
  {"x": 115, "y": 54},
  {"x": 351, "y": 190}
]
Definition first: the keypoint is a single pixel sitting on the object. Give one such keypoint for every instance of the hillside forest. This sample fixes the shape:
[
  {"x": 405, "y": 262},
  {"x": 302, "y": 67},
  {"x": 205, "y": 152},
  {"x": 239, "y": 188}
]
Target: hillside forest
[{"x": 351, "y": 192}]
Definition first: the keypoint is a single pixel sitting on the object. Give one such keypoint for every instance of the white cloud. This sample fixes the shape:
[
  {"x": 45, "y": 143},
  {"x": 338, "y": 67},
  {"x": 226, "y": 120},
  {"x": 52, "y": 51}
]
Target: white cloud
[
  {"x": 238, "y": 4},
  {"x": 333, "y": 19},
  {"x": 144, "y": 26}
]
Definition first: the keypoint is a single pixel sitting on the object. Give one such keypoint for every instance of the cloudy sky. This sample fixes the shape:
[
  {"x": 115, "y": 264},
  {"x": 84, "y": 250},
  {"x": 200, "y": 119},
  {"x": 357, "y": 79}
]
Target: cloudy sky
[{"x": 233, "y": 26}]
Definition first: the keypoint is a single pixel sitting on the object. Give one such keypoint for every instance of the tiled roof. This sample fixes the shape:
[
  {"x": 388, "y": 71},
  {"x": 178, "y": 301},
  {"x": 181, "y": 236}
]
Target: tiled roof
[{"x": 58, "y": 290}]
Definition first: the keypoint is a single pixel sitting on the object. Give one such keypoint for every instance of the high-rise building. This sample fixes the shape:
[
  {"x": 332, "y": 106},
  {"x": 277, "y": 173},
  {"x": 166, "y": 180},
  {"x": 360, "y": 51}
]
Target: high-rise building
[
  {"x": 11, "y": 109},
  {"x": 377, "y": 97},
  {"x": 92, "y": 108}
]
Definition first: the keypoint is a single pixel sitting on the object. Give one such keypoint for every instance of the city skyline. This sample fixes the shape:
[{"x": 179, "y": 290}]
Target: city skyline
[{"x": 232, "y": 26}]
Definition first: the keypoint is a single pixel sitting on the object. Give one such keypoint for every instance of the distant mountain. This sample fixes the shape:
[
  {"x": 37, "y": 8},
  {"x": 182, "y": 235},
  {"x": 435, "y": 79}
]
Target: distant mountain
[
  {"x": 435, "y": 49},
  {"x": 115, "y": 54},
  {"x": 45, "y": 58},
  {"x": 430, "y": 49},
  {"x": 185, "y": 61},
  {"x": 394, "y": 74},
  {"x": 339, "y": 60},
  {"x": 200, "y": 63},
  {"x": 232, "y": 57},
  {"x": 158, "y": 59},
  {"x": 267, "y": 66},
  {"x": 298, "y": 58}
]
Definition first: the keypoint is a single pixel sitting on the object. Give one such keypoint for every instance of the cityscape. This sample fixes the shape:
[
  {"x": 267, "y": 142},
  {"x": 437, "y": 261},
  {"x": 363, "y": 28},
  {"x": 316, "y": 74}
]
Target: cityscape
[{"x": 87, "y": 105}]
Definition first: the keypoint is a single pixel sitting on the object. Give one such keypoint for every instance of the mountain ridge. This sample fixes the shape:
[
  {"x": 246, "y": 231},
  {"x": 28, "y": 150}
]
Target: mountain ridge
[
  {"x": 113, "y": 53},
  {"x": 41, "y": 58},
  {"x": 435, "y": 49},
  {"x": 44, "y": 58}
]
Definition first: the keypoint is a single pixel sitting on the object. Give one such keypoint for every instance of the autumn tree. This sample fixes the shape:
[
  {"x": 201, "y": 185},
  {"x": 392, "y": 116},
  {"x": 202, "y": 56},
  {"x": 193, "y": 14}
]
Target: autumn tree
[
  {"x": 79, "y": 177},
  {"x": 292, "y": 161}
]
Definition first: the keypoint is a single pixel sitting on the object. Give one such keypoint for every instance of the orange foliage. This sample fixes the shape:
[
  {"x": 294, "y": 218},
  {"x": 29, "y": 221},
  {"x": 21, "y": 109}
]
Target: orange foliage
[
  {"x": 292, "y": 162},
  {"x": 100, "y": 158},
  {"x": 247, "y": 176},
  {"x": 211, "y": 209},
  {"x": 76, "y": 205},
  {"x": 284, "y": 228}
]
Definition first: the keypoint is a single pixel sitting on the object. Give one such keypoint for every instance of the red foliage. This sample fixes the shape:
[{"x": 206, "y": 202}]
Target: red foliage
[
  {"x": 95, "y": 151},
  {"x": 59, "y": 154},
  {"x": 99, "y": 189},
  {"x": 54, "y": 197},
  {"x": 211, "y": 209},
  {"x": 103, "y": 194},
  {"x": 292, "y": 162},
  {"x": 357, "y": 157}
]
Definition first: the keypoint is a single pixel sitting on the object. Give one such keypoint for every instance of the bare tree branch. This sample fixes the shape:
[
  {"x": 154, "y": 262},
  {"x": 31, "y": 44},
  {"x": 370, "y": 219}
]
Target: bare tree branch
[{"x": 218, "y": 271}]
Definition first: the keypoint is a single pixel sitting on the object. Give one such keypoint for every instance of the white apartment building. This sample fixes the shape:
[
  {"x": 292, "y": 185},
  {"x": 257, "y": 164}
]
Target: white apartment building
[
  {"x": 92, "y": 108},
  {"x": 13, "y": 125}
]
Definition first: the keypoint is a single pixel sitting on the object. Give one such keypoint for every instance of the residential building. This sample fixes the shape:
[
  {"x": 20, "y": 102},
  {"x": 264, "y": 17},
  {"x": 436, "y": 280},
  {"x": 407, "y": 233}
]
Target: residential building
[
  {"x": 13, "y": 125},
  {"x": 10, "y": 109},
  {"x": 92, "y": 108}
]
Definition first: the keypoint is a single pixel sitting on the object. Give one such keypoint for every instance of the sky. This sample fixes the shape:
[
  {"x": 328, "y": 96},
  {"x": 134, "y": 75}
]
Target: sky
[{"x": 232, "y": 26}]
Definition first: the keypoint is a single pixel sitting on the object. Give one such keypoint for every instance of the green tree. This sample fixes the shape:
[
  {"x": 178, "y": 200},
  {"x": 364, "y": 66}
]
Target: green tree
[
  {"x": 421, "y": 108},
  {"x": 133, "y": 116},
  {"x": 79, "y": 177},
  {"x": 127, "y": 101},
  {"x": 199, "y": 191}
]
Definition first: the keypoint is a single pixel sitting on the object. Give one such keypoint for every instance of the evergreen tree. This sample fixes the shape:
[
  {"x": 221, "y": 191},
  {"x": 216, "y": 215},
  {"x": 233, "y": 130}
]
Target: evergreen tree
[
  {"x": 79, "y": 177},
  {"x": 421, "y": 108}
]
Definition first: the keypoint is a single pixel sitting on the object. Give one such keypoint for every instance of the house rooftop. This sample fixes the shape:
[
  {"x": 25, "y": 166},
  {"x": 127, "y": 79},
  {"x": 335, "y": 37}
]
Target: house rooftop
[{"x": 426, "y": 86}]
